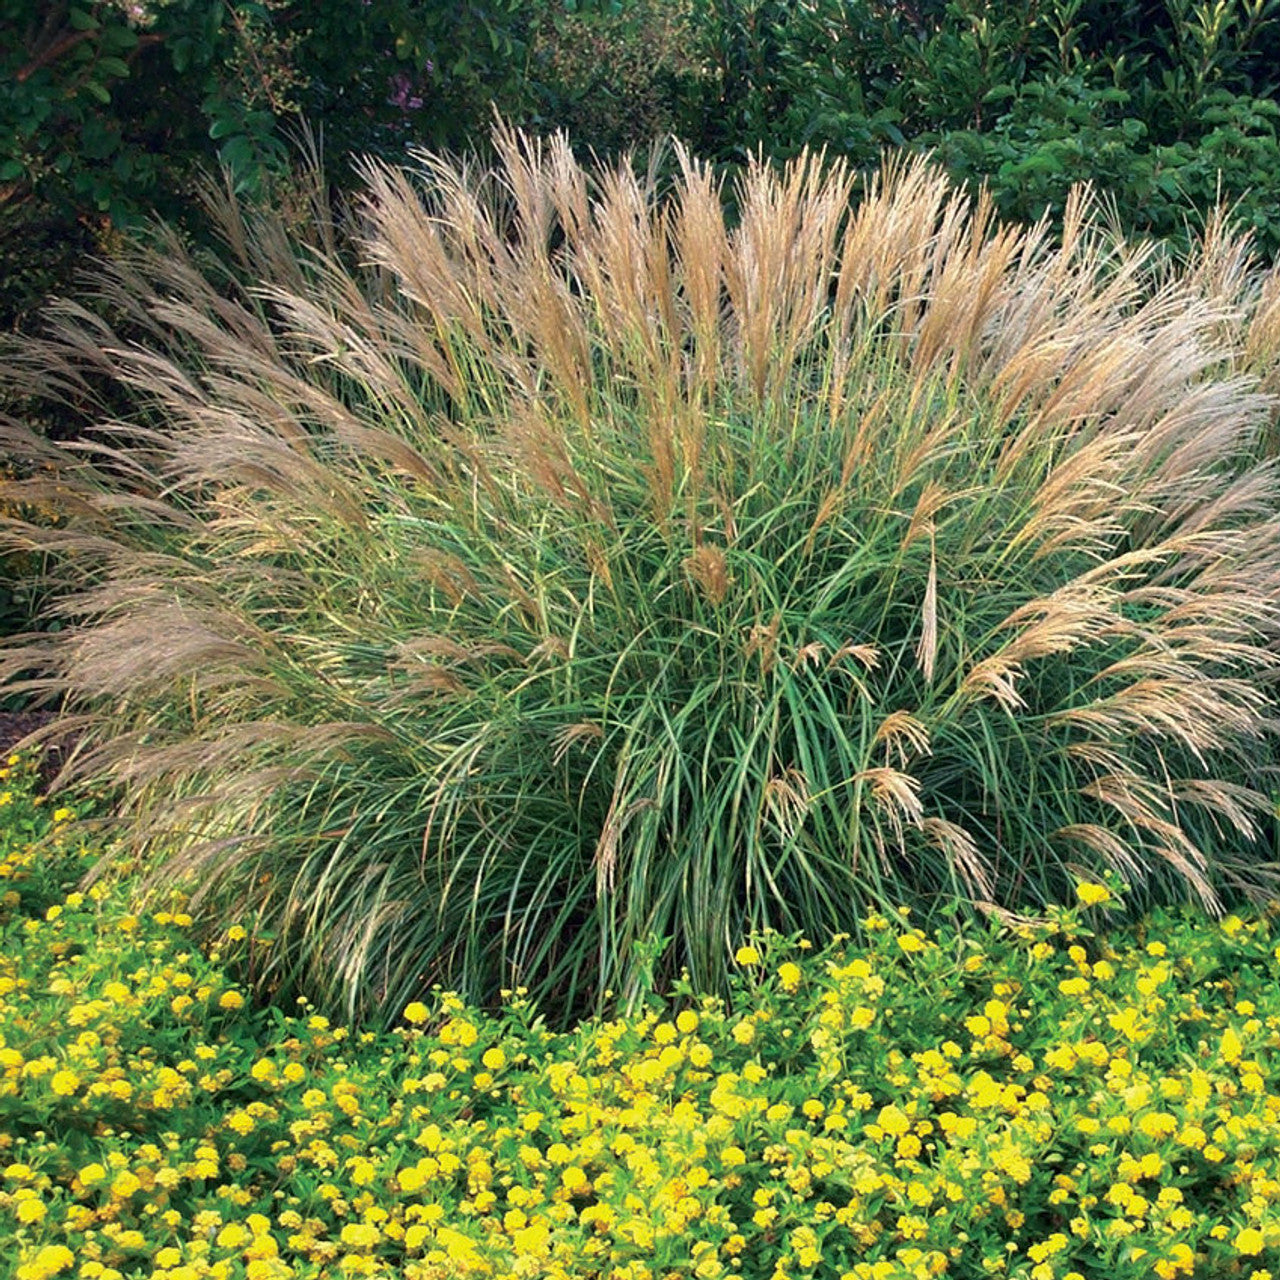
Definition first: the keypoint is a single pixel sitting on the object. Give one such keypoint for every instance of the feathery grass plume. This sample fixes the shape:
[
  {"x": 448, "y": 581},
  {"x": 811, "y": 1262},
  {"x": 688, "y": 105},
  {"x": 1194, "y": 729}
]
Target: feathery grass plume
[
  {"x": 581, "y": 570},
  {"x": 1226, "y": 271}
]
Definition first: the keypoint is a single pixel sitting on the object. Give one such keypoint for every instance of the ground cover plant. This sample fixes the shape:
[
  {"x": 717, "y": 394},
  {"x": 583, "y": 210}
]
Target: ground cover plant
[
  {"x": 1041, "y": 1104},
  {"x": 586, "y": 583}
]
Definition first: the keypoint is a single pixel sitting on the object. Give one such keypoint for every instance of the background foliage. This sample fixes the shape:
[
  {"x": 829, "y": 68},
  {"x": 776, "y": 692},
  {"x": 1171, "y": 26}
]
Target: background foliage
[{"x": 111, "y": 105}]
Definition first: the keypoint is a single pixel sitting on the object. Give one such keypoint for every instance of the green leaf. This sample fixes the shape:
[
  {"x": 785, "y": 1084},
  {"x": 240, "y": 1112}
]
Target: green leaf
[
  {"x": 236, "y": 153},
  {"x": 82, "y": 20},
  {"x": 222, "y": 125},
  {"x": 10, "y": 169},
  {"x": 259, "y": 122},
  {"x": 118, "y": 40}
]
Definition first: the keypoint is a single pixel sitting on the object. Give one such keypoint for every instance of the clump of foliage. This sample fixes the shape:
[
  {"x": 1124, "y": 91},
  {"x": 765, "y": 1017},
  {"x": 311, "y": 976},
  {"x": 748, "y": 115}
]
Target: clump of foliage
[
  {"x": 1168, "y": 106},
  {"x": 586, "y": 584},
  {"x": 112, "y": 102},
  {"x": 614, "y": 76},
  {"x": 1037, "y": 1102},
  {"x": 113, "y": 108}
]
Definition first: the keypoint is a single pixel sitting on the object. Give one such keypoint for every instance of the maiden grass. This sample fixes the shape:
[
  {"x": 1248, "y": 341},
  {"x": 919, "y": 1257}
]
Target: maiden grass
[
  {"x": 1035, "y": 1103},
  {"x": 584, "y": 584}
]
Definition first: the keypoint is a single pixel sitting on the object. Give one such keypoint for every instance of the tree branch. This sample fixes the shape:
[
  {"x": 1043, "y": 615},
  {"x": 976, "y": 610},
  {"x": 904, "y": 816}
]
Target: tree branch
[{"x": 51, "y": 53}]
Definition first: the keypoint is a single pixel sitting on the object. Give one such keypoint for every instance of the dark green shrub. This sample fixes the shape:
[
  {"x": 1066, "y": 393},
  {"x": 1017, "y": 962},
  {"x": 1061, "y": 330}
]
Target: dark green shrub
[
  {"x": 1164, "y": 108},
  {"x": 614, "y": 77},
  {"x": 113, "y": 108},
  {"x": 776, "y": 77},
  {"x": 1053, "y": 134}
]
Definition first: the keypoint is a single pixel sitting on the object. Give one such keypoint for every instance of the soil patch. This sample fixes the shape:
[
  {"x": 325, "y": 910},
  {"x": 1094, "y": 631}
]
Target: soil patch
[{"x": 15, "y": 725}]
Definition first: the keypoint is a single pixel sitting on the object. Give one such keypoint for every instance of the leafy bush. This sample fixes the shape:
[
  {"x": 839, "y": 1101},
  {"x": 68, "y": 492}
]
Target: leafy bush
[
  {"x": 777, "y": 77},
  {"x": 1166, "y": 108},
  {"x": 1056, "y": 133},
  {"x": 613, "y": 77},
  {"x": 587, "y": 585},
  {"x": 1038, "y": 1104},
  {"x": 113, "y": 103},
  {"x": 114, "y": 108}
]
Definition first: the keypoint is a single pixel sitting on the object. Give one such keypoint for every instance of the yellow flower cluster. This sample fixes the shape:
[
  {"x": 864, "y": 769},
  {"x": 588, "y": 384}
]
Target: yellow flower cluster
[
  {"x": 1038, "y": 1107},
  {"x": 35, "y": 842}
]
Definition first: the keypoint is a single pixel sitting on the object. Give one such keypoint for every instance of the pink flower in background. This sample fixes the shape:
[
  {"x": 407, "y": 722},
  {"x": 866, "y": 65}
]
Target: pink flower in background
[
  {"x": 137, "y": 13},
  {"x": 404, "y": 90}
]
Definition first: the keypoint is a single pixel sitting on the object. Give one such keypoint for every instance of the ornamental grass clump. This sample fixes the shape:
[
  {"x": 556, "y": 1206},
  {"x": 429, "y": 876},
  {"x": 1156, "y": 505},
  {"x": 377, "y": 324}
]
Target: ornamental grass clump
[{"x": 581, "y": 582}]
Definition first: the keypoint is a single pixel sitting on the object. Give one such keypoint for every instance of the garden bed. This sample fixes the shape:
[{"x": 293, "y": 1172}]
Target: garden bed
[{"x": 1037, "y": 1103}]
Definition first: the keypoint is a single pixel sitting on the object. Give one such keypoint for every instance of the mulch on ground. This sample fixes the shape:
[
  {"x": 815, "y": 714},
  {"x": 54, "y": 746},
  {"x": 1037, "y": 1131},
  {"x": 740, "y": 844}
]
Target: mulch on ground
[{"x": 15, "y": 725}]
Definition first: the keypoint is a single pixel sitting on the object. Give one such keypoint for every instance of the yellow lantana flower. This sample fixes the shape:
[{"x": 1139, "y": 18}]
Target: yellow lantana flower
[
  {"x": 1092, "y": 895},
  {"x": 64, "y": 1083},
  {"x": 52, "y": 1259},
  {"x": 1250, "y": 1241}
]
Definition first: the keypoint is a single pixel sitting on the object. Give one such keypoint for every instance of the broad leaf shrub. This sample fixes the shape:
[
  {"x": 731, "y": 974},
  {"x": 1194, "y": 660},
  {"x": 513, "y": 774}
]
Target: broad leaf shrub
[
  {"x": 115, "y": 108},
  {"x": 588, "y": 580},
  {"x": 1169, "y": 106},
  {"x": 1035, "y": 1103},
  {"x": 1060, "y": 131}
]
